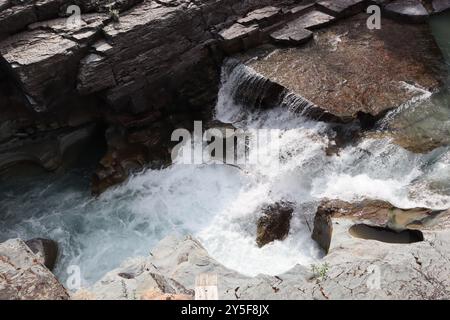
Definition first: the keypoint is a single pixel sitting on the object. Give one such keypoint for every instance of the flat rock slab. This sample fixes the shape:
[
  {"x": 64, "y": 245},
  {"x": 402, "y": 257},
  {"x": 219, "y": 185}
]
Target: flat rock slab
[
  {"x": 342, "y": 8},
  {"x": 411, "y": 10},
  {"x": 291, "y": 36},
  {"x": 348, "y": 68},
  {"x": 311, "y": 20}
]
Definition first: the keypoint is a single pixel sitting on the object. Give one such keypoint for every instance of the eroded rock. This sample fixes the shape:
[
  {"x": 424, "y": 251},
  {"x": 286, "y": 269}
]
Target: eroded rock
[
  {"x": 351, "y": 71},
  {"x": 373, "y": 213},
  {"x": 24, "y": 277},
  {"x": 274, "y": 224}
]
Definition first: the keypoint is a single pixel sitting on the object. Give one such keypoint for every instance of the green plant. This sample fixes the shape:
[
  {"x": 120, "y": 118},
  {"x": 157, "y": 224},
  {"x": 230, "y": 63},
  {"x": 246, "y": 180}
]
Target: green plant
[
  {"x": 114, "y": 14},
  {"x": 320, "y": 272}
]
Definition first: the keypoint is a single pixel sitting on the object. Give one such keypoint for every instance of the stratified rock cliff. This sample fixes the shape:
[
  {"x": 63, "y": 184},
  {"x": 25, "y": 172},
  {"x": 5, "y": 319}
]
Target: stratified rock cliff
[{"x": 142, "y": 68}]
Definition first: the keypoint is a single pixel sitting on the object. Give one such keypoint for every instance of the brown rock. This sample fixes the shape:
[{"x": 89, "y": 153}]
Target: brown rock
[
  {"x": 352, "y": 71},
  {"x": 275, "y": 223}
]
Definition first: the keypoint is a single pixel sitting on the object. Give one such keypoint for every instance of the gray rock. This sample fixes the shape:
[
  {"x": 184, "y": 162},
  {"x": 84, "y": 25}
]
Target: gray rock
[
  {"x": 15, "y": 19},
  {"x": 46, "y": 150},
  {"x": 24, "y": 277},
  {"x": 365, "y": 60},
  {"x": 4, "y": 4},
  {"x": 441, "y": 5},
  {"x": 41, "y": 59},
  {"x": 353, "y": 269},
  {"x": 291, "y": 36},
  {"x": 375, "y": 213},
  {"x": 263, "y": 17},
  {"x": 409, "y": 10}
]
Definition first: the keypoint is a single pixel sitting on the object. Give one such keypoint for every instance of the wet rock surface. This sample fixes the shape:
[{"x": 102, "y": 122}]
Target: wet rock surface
[{"x": 274, "y": 224}]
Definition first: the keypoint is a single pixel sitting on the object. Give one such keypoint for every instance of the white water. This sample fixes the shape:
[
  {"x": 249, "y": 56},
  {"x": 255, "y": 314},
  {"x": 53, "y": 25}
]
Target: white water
[{"x": 220, "y": 204}]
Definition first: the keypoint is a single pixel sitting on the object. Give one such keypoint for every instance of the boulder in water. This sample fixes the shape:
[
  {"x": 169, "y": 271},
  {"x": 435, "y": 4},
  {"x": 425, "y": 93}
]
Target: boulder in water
[
  {"x": 46, "y": 250},
  {"x": 275, "y": 223}
]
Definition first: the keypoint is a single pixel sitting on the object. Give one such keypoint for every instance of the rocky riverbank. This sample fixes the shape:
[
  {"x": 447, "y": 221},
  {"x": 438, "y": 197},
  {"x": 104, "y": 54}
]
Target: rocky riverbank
[
  {"x": 356, "y": 266},
  {"x": 136, "y": 70}
]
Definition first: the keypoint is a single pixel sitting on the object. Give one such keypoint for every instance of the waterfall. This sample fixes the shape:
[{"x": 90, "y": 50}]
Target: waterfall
[
  {"x": 220, "y": 204},
  {"x": 254, "y": 91}
]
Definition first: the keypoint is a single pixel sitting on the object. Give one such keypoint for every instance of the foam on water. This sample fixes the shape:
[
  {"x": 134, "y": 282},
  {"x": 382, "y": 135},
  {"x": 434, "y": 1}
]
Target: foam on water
[{"x": 220, "y": 204}]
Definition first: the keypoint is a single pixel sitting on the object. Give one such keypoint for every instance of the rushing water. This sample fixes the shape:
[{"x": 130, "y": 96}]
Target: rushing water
[{"x": 220, "y": 204}]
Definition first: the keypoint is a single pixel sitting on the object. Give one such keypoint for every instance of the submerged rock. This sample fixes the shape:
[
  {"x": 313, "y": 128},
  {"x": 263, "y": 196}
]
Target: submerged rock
[
  {"x": 24, "y": 277},
  {"x": 275, "y": 223}
]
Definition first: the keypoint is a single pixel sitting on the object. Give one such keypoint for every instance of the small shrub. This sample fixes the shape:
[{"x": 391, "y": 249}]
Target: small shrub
[
  {"x": 320, "y": 272},
  {"x": 114, "y": 14}
]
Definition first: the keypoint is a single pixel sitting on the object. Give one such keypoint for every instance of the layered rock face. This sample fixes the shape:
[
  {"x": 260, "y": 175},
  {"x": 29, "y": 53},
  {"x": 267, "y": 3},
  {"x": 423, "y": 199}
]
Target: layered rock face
[
  {"x": 145, "y": 67},
  {"x": 141, "y": 67}
]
